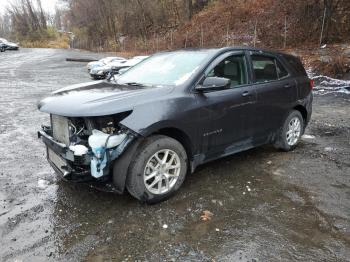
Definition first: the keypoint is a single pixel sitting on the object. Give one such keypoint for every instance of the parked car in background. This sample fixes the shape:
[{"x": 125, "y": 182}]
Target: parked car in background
[
  {"x": 176, "y": 110},
  {"x": 129, "y": 63},
  {"x": 101, "y": 72},
  {"x": 104, "y": 61},
  {"x": 2, "y": 47},
  {"x": 9, "y": 45}
]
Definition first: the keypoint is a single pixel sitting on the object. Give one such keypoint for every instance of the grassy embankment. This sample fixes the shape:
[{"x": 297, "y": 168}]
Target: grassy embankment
[{"x": 49, "y": 38}]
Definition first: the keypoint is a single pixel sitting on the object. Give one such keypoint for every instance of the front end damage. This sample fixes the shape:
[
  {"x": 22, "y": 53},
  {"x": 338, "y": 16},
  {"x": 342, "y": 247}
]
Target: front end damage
[{"x": 84, "y": 149}]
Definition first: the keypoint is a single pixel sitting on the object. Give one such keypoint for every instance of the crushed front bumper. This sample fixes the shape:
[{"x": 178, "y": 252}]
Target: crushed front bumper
[
  {"x": 78, "y": 168},
  {"x": 63, "y": 160}
]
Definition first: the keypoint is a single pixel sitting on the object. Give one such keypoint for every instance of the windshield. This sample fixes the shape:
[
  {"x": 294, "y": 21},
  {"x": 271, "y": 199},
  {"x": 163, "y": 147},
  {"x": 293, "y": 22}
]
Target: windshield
[{"x": 164, "y": 69}]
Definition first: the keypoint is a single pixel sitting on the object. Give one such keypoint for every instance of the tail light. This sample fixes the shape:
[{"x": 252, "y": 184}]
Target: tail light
[{"x": 312, "y": 83}]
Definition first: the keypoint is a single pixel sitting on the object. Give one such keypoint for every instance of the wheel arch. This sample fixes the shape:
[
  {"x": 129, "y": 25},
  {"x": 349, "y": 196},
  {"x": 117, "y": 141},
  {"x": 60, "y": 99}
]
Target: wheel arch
[
  {"x": 180, "y": 136},
  {"x": 121, "y": 165},
  {"x": 302, "y": 111}
]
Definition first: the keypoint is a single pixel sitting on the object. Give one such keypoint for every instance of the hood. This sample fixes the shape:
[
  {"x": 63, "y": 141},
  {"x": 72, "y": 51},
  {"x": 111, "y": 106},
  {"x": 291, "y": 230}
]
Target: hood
[
  {"x": 97, "y": 68},
  {"x": 95, "y": 63},
  {"x": 11, "y": 44},
  {"x": 99, "y": 98}
]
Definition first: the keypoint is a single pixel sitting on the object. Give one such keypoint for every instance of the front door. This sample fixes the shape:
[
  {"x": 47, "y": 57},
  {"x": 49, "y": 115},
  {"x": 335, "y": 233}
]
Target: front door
[{"x": 228, "y": 114}]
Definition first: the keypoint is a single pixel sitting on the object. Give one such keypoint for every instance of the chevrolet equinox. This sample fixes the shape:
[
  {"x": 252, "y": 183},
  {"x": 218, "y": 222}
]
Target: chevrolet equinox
[{"x": 145, "y": 129}]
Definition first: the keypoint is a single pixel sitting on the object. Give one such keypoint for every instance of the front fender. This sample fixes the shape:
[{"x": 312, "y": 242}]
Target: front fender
[
  {"x": 179, "y": 112},
  {"x": 121, "y": 165}
]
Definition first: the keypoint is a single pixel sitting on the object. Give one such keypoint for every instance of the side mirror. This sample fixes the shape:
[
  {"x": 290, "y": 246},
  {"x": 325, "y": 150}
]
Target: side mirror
[{"x": 214, "y": 83}]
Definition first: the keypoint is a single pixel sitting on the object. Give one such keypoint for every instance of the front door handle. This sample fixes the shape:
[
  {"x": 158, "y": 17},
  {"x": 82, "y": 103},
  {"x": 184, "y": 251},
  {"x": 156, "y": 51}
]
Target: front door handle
[
  {"x": 246, "y": 93},
  {"x": 287, "y": 86}
]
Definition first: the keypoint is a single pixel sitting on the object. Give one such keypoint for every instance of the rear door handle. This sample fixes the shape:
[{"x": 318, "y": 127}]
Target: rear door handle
[
  {"x": 246, "y": 93},
  {"x": 287, "y": 86}
]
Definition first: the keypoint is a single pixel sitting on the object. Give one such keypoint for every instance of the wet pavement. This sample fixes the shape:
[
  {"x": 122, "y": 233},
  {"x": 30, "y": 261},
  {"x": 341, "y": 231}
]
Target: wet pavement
[{"x": 267, "y": 205}]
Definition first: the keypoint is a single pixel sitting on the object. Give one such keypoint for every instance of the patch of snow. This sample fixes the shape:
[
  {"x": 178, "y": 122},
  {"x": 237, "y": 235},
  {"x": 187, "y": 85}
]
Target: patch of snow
[
  {"x": 43, "y": 184},
  {"x": 325, "y": 85},
  {"x": 329, "y": 149},
  {"x": 308, "y": 137}
]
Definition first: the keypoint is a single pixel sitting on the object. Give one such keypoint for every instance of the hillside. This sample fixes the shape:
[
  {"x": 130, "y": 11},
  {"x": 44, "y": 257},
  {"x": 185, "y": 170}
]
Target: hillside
[{"x": 135, "y": 26}]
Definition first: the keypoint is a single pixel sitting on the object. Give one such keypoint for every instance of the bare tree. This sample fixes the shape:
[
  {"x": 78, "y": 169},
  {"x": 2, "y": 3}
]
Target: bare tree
[{"x": 188, "y": 9}]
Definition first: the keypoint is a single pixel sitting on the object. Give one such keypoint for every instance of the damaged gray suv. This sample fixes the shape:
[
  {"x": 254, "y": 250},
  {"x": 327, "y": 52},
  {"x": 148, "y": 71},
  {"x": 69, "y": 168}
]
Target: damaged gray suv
[{"x": 146, "y": 129}]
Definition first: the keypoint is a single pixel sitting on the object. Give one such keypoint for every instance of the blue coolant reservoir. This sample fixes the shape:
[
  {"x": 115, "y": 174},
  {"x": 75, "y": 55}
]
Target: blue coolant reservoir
[{"x": 100, "y": 142}]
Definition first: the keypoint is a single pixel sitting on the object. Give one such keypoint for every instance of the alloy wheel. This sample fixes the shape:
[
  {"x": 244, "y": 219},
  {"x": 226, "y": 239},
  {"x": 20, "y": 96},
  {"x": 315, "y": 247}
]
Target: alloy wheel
[
  {"x": 162, "y": 171},
  {"x": 294, "y": 131}
]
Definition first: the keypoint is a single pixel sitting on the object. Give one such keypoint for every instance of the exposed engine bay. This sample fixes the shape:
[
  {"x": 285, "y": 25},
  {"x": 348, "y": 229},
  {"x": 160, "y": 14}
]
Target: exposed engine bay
[{"x": 78, "y": 147}]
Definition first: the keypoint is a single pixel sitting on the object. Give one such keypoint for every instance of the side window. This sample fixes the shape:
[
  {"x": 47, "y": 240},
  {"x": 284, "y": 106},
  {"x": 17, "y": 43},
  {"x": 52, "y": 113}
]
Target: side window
[
  {"x": 267, "y": 69},
  {"x": 281, "y": 71},
  {"x": 233, "y": 68}
]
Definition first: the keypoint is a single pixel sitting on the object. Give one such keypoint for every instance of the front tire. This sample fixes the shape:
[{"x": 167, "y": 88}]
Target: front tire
[
  {"x": 158, "y": 169},
  {"x": 95, "y": 77},
  {"x": 289, "y": 134}
]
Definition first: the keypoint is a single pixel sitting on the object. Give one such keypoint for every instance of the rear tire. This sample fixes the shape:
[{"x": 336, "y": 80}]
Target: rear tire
[
  {"x": 289, "y": 134},
  {"x": 158, "y": 169}
]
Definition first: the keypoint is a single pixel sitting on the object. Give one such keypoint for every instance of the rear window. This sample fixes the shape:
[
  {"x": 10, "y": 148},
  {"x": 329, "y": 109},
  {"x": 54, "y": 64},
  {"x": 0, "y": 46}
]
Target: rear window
[
  {"x": 296, "y": 64},
  {"x": 267, "y": 69}
]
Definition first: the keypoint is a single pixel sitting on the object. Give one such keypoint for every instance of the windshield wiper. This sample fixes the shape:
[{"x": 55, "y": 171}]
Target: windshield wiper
[{"x": 135, "y": 84}]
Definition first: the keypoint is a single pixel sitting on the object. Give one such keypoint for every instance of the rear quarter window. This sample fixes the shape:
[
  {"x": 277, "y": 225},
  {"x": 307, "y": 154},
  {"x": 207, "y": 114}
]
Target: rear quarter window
[
  {"x": 267, "y": 68},
  {"x": 296, "y": 64}
]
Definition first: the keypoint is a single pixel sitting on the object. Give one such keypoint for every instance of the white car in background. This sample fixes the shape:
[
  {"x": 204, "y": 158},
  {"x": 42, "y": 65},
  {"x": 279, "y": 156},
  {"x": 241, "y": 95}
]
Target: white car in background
[
  {"x": 6, "y": 45},
  {"x": 103, "y": 71},
  {"x": 129, "y": 63},
  {"x": 104, "y": 61}
]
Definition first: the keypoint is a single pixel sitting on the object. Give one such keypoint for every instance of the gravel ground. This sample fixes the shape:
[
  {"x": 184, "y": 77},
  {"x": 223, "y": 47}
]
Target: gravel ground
[{"x": 267, "y": 205}]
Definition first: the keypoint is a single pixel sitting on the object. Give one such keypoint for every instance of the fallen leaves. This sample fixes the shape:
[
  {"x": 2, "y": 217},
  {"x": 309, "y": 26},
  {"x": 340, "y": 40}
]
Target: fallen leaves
[{"x": 207, "y": 215}]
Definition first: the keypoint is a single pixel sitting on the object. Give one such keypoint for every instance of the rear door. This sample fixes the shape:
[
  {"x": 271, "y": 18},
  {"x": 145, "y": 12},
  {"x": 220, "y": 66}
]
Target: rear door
[
  {"x": 294, "y": 64},
  {"x": 276, "y": 93}
]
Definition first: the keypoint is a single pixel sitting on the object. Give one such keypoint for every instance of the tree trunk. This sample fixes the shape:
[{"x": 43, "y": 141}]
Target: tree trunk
[{"x": 188, "y": 9}]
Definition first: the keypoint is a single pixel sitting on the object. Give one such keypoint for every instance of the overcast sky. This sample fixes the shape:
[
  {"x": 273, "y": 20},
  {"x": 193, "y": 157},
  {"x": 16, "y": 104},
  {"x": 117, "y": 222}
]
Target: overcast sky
[{"x": 48, "y": 5}]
